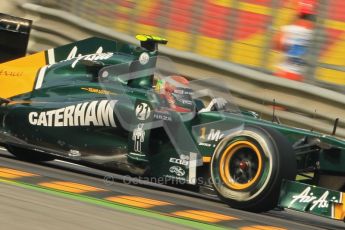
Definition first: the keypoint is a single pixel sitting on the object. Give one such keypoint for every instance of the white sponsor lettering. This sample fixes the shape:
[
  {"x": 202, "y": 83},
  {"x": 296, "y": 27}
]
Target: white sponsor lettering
[
  {"x": 192, "y": 168},
  {"x": 177, "y": 170},
  {"x": 40, "y": 78},
  {"x": 33, "y": 118},
  {"x": 215, "y": 135},
  {"x": 322, "y": 202},
  {"x": 79, "y": 114},
  {"x": 308, "y": 197},
  {"x": 144, "y": 58},
  {"x": 95, "y": 113},
  {"x": 92, "y": 57},
  {"x": 173, "y": 177},
  {"x": 42, "y": 119},
  {"x": 68, "y": 116},
  {"x": 105, "y": 113},
  {"x": 143, "y": 111},
  {"x": 90, "y": 116},
  {"x": 50, "y": 115},
  {"x": 138, "y": 137},
  {"x": 98, "y": 56},
  {"x": 205, "y": 144},
  {"x": 59, "y": 117},
  {"x": 184, "y": 160},
  {"x": 74, "y": 52},
  {"x": 161, "y": 116}
]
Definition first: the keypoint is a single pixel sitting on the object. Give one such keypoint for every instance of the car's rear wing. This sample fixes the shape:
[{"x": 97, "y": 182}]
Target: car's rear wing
[
  {"x": 14, "y": 37},
  {"x": 23, "y": 75}
]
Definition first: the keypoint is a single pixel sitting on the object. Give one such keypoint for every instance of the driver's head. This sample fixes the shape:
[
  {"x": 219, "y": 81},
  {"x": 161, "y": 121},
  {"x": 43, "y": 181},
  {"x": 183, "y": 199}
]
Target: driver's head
[
  {"x": 169, "y": 84},
  {"x": 176, "y": 91}
]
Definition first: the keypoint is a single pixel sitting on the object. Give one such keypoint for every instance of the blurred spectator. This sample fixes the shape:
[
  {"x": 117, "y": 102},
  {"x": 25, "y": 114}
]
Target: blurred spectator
[{"x": 294, "y": 41}]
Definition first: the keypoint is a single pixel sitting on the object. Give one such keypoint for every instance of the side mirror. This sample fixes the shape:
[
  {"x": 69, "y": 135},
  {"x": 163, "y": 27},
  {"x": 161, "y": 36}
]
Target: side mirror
[{"x": 14, "y": 37}]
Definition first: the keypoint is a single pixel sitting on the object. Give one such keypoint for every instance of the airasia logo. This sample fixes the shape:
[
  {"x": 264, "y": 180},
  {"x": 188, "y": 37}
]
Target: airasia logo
[
  {"x": 307, "y": 196},
  {"x": 98, "y": 56}
]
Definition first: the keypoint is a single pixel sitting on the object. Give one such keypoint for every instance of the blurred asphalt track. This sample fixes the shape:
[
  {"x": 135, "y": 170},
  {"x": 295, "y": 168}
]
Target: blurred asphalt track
[
  {"x": 24, "y": 205},
  {"x": 22, "y": 208}
]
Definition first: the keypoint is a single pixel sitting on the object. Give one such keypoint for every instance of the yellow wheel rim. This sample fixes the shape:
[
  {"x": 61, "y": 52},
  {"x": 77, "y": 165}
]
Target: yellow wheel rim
[{"x": 226, "y": 158}]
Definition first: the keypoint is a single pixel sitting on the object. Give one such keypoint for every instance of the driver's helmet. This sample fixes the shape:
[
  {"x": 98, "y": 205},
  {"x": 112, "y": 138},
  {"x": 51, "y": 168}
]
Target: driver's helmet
[{"x": 176, "y": 91}]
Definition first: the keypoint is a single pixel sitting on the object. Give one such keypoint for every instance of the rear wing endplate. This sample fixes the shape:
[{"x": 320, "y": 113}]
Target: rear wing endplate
[{"x": 14, "y": 37}]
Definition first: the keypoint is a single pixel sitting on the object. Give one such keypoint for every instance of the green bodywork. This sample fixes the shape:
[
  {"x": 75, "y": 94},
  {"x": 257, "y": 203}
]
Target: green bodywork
[
  {"x": 311, "y": 199},
  {"x": 107, "y": 137}
]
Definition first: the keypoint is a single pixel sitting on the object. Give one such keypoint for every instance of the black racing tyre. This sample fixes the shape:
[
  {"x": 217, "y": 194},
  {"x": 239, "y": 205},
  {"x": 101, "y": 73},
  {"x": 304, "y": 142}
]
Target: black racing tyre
[
  {"x": 249, "y": 165},
  {"x": 29, "y": 155}
]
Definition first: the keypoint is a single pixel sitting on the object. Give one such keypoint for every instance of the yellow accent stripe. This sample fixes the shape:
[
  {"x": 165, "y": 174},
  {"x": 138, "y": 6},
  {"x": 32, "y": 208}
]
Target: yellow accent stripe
[
  {"x": 213, "y": 215},
  {"x": 61, "y": 187},
  {"x": 136, "y": 201},
  {"x": 11, "y": 173},
  {"x": 18, "y": 76},
  {"x": 129, "y": 202},
  {"x": 80, "y": 186},
  {"x": 196, "y": 217},
  {"x": 339, "y": 210},
  {"x": 206, "y": 159},
  {"x": 203, "y": 216},
  {"x": 71, "y": 187},
  {"x": 8, "y": 175}
]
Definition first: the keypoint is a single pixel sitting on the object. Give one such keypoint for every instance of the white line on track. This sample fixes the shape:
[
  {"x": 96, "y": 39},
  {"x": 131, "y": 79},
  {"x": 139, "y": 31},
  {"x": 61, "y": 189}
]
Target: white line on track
[{"x": 66, "y": 162}]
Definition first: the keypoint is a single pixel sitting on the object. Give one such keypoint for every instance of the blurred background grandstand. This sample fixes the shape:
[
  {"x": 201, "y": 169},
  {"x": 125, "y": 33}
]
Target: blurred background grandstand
[
  {"x": 228, "y": 40},
  {"x": 237, "y": 31}
]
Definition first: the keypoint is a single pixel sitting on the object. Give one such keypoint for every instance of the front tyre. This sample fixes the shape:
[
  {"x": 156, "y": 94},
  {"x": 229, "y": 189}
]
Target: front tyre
[{"x": 249, "y": 165}]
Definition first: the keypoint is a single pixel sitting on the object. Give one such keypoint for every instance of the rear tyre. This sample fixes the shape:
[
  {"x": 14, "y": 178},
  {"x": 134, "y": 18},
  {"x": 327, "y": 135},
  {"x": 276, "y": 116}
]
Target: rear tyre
[
  {"x": 29, "y": 155},
  {"x": 249, "y": 165}
]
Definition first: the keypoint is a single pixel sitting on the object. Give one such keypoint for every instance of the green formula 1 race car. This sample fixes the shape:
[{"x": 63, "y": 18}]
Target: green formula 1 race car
[{"x": 106, "y": 103}]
